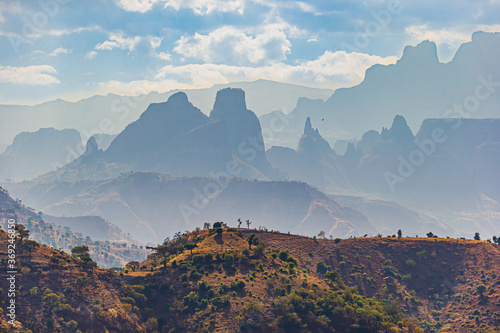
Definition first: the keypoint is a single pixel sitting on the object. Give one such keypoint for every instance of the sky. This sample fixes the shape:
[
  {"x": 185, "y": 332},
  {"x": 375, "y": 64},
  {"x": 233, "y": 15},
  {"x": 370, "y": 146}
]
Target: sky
[{"x": 73, "y": 49}]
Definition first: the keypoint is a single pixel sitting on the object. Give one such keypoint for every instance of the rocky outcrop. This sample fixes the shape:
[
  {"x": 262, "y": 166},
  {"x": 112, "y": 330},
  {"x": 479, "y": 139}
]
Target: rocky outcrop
[
  {"x": 399, "y": 131},
  {"x": 314, "y": 161},
  {"x": 245, "y": 133}
]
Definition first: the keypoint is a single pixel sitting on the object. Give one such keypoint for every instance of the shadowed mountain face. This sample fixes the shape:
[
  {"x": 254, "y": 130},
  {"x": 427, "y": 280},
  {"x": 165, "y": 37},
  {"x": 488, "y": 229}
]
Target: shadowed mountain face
[
  {"x": 177, "y": 138},
  {"x": 157, "y": 127},
  {"x": 33, "y": 154},
  {"x": 314, "y": 162},
  {"x": 419, "y": 174},
  {"x": 447, "y": 166},
  {"x": 152, "y": 206},
  {"x": 417, "y": 87}
]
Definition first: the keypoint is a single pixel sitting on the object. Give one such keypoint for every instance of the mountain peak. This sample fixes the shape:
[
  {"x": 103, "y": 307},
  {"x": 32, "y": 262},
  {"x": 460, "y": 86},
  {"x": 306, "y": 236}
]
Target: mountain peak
[
  {"x": 308, "y": 127},
  {"x": 229, "y": 101},
  {"x": 399, "y": 130},
  {"x": 423, "y": 53},
  {"x": 92, "y": 146},
  {"x": 179, "y": 98}
]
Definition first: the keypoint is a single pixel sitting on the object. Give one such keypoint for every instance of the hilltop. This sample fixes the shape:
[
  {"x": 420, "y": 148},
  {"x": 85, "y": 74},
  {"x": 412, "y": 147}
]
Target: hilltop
[{"x": 277, "y": 283}]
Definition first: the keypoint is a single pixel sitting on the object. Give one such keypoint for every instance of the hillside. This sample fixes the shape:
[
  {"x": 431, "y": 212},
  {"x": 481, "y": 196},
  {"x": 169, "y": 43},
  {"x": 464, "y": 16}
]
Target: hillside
[
  {"x": 280, "y": 283},
  {"x": 64, "y": 234},
  {"x": 62, "y": 295},
  {"x": 57, "y": 293},
  {"x": 433, "y": 280}
]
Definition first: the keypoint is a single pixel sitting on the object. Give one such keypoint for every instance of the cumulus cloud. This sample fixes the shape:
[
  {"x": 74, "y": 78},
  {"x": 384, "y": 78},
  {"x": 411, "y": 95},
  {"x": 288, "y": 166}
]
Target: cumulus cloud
[
  {"x": 90, "y": 55},
  {"x": 59, "y": 51},
  {"x": 203, "y": 7},
  {"x": 332, "y": 69},
  {"x": 199, "y": 7},
  {"x": 30, "y": 75},
  {"x": 231, "y": 45},
  {"x": 137, "y": 43},
  {"x": 164, "y": 56},
  {"x": 140, "y": 6}
]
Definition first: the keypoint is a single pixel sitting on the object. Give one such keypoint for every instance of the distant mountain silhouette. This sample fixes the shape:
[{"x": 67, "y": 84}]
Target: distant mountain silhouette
[
  {"x": 111, "y": 113},
  {"x": 417, "y": 87},
  {"x": 35, "y": 153},
  {"x": 176, "y": 138}
]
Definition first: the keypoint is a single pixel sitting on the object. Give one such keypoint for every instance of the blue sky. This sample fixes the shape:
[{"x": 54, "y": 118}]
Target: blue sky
[{"x": 73, "y": 49}]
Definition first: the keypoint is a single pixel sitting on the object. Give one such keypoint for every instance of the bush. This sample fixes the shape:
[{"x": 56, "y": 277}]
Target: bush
[
  {"x": 228, "y": 260},
  {"x": 321, "y": 268},
  {"x": 292, "y": 260},
  {"x": 237, "y": 285},
  {"x": 283, "y": 256},
  {"x": 221, "y": 301},
  {"x": 198, "y": 259},
  {"x": 410, "y": 263}
]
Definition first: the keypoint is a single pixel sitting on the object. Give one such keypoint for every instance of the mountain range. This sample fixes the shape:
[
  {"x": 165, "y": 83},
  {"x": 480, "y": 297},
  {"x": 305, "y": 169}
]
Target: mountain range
[
  {"x": 111, "y": 113},
  {"x": 413, "y": 88}
]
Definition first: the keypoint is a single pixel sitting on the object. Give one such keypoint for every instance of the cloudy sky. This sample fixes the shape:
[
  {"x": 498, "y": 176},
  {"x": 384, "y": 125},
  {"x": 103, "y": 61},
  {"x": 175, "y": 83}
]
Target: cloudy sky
[{"x": 73, "y": 49}]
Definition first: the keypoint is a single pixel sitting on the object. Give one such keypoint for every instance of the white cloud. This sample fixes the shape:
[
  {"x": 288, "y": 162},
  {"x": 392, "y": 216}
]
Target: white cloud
[
  {"x": 34, "y": 33},
  {"x": 234, "y": 46},
  {"x": 140, "y": 6},
  {"x": 30, "y": 75},
  {"x": 450, "y": 38},
  {"x": 330, "y": 70},
  {"x": 59, "y": 51},
  {"x": 164, "y": 56},
  {"x": 117, "y": 40},
  {"x": 203, "y": 7},
  {"x": 90, "y": 55},
  {"x": 199, "y": 7}
]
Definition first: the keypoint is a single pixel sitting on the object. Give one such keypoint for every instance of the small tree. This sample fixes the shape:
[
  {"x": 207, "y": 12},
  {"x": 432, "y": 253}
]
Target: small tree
[
  {"x": 133, "y": 265},
  {"x": 400, "y": 233},
  {"x": 80, "y": 252},
  {"x": 22, "y": 232},
  {"x": 322, "y": 234},
  {"x": 239, "y": 223},
  {"x": 252, "y": 240},
  {"x": 477, "y": 237},
  {"x": 190, "y": 247},
  {"x": 206, "y": 225},
  {"x": 248, "y": 223},
  {"x": 430, "y": 234},
  {"x": 164, "y": 251}
]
